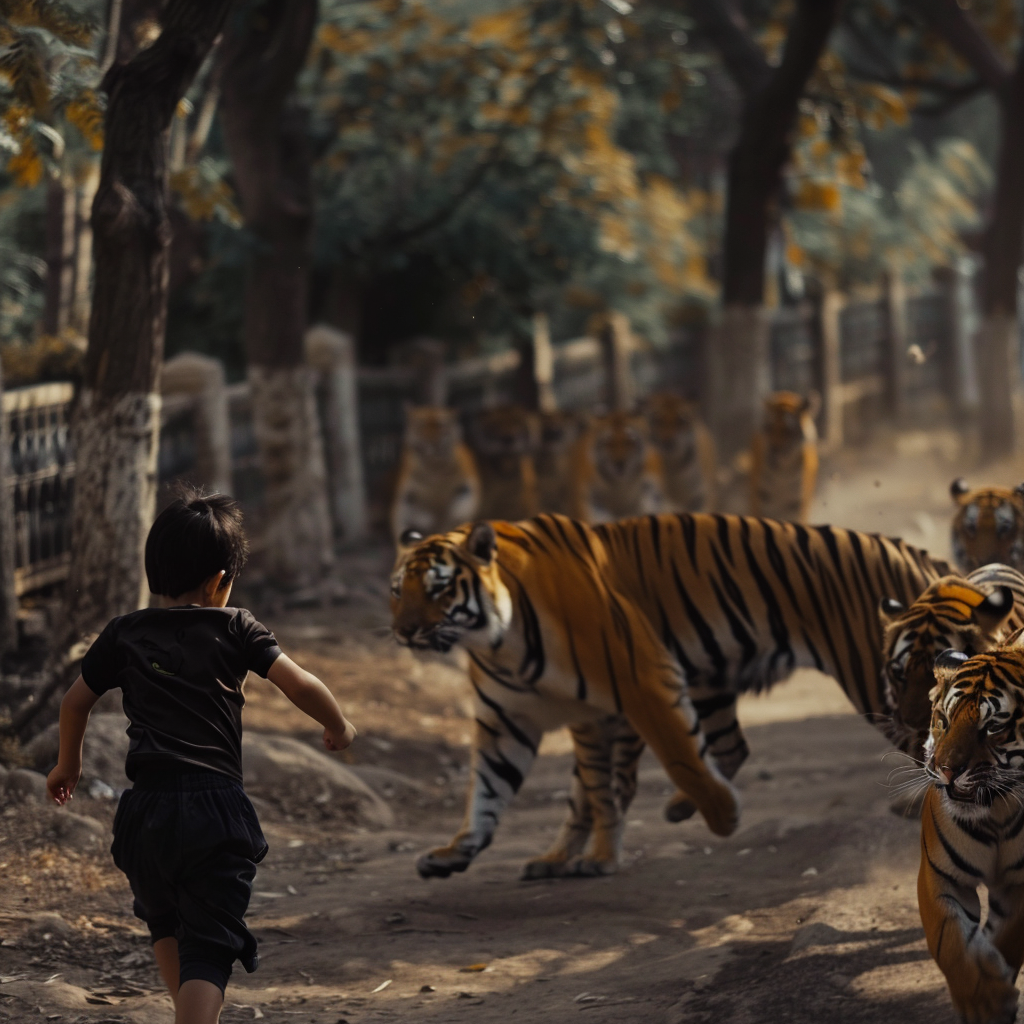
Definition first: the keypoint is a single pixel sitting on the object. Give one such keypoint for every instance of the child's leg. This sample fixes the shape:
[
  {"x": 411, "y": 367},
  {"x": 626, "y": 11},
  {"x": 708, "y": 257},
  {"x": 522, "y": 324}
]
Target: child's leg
[
  {"x": 198, "y": 1002},
  {"x": 166, "y": 953}
]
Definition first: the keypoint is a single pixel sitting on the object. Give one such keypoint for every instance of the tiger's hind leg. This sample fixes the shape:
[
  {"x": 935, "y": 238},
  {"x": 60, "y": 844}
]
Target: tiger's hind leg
[
  {"x": 726, "y": 742},
  {"x": 661, "y": 712}
]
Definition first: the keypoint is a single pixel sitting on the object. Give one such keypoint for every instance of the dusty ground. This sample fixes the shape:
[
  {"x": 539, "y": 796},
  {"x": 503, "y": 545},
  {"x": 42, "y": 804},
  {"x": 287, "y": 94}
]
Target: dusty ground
[{"x": 807, "y": 914}]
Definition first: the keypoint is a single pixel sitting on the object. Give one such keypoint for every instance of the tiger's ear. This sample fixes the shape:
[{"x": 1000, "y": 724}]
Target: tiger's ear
[
  {"x": 409, "y": 539},
  {"x": 947, "y": 664},
  {"x": 1019, "y": 490},
  {"x": 995, "y": 609},
  {"x": 888, "y": 609},
  {"x": 958, "y": 488},
  {"x": 482, "y": 542}
]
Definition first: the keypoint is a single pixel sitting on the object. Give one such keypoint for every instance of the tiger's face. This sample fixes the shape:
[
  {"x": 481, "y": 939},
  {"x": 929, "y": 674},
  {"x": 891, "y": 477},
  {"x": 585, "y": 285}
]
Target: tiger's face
[
  {"x": 789, "y": 419},
  {"x": 446, "y": 590},
  {"x": 432, "y": 432},
  {"x": 506, "y": 431},
  {"x": 673, "y": 422},
  {"x": 559, "y": 431},
  {"x": 975, "y": 749},
  {"x": 988, "y": 526},
  {"x": 950, "y": 614},
  {"x": 619, "y": 445}
]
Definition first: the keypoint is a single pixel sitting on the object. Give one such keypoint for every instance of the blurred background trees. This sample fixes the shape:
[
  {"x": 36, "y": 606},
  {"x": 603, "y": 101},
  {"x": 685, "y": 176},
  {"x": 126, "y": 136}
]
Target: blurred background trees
[{"x": 447, "y": 168}]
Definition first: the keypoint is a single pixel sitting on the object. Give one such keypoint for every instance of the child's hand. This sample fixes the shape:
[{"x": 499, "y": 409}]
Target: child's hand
[
  {"x": 334, "y": 741},
  {"x": 61, "y": 783}
]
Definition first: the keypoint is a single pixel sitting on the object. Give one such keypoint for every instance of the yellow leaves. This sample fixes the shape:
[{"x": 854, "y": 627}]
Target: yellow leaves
[
  {"x": 204, "y": 198},
  {"x": 817, "y": 195},
  {"x": 884, "y": 105},
  {"x": 332, "y": 38},
  {"x": 507, "y": 28},
  {"x": 26, "y": 166},
  {"x": 86, "y": 114}
]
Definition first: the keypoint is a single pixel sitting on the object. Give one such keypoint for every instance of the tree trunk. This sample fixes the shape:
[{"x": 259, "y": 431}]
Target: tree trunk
[
  {"x": 264, "y": 50},
  {"x": 739, "y": 351},
  {"x": 997, "y": 342},
  {"x": 116, "y": 428}
]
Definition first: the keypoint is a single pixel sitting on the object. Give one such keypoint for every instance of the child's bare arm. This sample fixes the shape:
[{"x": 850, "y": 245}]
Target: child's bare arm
[
  {"x": 310, "y": 695},
  {"x": 75, "y": 709}
]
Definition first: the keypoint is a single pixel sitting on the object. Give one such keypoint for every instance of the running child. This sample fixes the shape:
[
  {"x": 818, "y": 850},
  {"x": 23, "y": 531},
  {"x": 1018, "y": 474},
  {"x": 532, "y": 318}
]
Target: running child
[{"x": 186, "y": 835}]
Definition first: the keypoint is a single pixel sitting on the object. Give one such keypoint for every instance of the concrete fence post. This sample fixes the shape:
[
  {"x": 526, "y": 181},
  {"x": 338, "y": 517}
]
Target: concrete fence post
[
  {"x": 896, "y": 344},
  {"x": 8, "y": 598},
  {"x": 202, "y": 379},
  {"x": 830, "y": 335},
  {"x": 332, "y": 353},
  {"x": 616, "y": 347}
]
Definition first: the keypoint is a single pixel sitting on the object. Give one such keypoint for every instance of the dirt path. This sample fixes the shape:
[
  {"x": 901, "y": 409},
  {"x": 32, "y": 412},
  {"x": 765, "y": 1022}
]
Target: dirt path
[{"x": 807, "y": 914}]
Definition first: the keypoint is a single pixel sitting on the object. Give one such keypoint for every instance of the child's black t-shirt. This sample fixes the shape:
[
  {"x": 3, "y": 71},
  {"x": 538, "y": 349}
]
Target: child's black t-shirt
[{"x": 181, "y": 671}]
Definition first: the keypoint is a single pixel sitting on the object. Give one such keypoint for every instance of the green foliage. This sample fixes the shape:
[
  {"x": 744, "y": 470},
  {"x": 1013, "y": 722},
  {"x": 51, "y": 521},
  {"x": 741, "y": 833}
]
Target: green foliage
[{"x": 523, "y": 149}]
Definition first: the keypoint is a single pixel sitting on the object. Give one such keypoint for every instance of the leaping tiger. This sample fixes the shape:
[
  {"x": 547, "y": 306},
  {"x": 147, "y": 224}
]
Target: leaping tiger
[{"x": 735, "y": 603}]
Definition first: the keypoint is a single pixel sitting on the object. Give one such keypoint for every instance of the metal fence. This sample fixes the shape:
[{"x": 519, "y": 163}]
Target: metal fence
[
  {"x": 43, "y": 465},
  {"x": 42, "y": 480}
]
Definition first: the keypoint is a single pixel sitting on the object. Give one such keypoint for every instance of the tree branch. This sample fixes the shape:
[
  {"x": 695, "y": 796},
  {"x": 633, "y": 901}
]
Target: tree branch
[
  {"x": 963, "y": 36},
  {"x": 723, "y": 23}
]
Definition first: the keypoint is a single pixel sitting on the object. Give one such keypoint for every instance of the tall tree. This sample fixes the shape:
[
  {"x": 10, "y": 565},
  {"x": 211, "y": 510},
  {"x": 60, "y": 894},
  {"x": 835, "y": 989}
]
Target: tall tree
[
  {"x": 265, "y": 131},
  {"x": 997, "y": 343},
  {"x": 738, "y": 358},
  {"x": 116, "y": 430}
]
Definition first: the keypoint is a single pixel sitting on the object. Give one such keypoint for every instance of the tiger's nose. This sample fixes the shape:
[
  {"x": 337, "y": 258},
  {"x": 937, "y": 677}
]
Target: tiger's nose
[
  {"x": 951, "y": 772},
  {"x": 406, "y": 630}
]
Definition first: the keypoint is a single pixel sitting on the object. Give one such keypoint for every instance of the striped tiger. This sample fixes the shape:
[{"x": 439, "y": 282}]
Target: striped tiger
[
  {"x": 735, "y": 603},
  {"x": 504, "y": 441},
  {"x": 618, "y": 471},
  {"x": 438, "y": 487},
  {"x": 988, "y": 526},
  {"x": 560, "y": 434},
  {"x": 972, "y": 829},
  {"x": 785, "y": 458},
  {"x": 526, "y": 602},
  {"x": 687, "y": 453},
  {"x": 970, "y": 615}
]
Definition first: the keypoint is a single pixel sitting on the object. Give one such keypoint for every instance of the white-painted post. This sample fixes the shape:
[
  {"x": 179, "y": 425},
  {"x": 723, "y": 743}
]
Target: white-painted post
[
  {"x": 8, "y": 597},
  {"x": 832, "y": 303},
  {"x": 202, "y": 379},
  {"x": 332, "y": 353},
  {"x": 617, "y": 346}
]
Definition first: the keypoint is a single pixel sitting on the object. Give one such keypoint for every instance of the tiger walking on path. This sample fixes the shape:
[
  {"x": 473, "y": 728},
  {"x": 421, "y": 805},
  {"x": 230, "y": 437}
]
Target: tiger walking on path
[
  {"x": 972, "y": 830},
  {"x": 735, "y": 603}
]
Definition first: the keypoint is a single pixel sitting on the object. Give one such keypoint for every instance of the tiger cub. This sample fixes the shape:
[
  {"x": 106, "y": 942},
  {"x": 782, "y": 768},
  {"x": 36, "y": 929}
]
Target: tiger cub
[
  {"x": 560, "y": 433},
  {"x": 618, "y": 472},
  {"x": 972, "y": 829},
  {"x": 438, "y": 486},
  {"x": 504, "y": 441},
  {"x": 988, "y": 526},
  {"x": 687, "y": 453},
  {"x": 785, "y": 458}
]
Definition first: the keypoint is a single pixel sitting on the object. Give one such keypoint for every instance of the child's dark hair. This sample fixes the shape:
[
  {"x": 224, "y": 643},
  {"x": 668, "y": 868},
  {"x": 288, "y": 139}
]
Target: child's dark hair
[{"x": 194, "y": 538}]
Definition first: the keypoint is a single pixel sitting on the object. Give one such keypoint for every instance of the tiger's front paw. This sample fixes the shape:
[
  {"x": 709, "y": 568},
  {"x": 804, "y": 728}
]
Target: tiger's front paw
[
  {"x": 680, "y": 808},
  {"x": 994, "y": 1003},
  {"x": 592, "y": 867},
  {"x": 544, "y": 867},
  {"x": 442, "y": 862},
  {"x": 986, "y": 994}
]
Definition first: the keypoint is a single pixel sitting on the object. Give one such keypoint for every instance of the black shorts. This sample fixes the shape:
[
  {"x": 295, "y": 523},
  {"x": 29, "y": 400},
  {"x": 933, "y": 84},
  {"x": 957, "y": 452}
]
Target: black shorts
[{"x": 189, "y": 844}]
